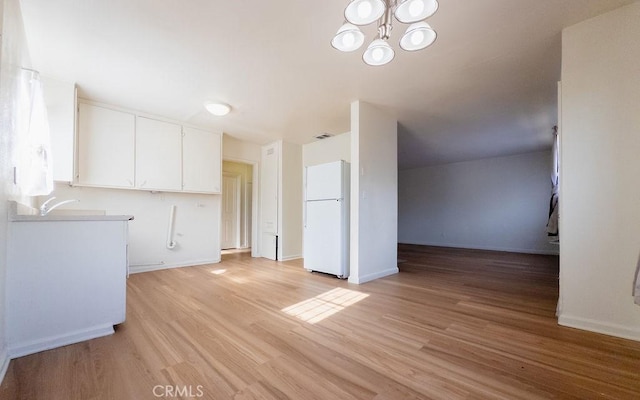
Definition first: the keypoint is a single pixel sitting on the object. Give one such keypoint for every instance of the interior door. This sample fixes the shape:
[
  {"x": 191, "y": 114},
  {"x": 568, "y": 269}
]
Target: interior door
[{"x": 230, "y": 212}]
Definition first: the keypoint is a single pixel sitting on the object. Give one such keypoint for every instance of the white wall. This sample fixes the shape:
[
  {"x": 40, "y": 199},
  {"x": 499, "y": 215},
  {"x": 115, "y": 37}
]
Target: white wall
[
  {"x": 600, "y": 170},
  {"x": 197, "y": 223},
  {"x": 13, "y": 55},
  {"x": 238, "y": 150},
  {"x": 323, "y": 151},
  {"x": 493, "y": 204},
  {"x": 374, "y": 193},
  {"x": 5, "y": 176}
]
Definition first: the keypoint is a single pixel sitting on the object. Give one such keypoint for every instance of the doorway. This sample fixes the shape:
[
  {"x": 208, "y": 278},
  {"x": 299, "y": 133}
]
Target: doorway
[
  {"x": 237, "y": 204},
  {"x": 230, "y": 211}
]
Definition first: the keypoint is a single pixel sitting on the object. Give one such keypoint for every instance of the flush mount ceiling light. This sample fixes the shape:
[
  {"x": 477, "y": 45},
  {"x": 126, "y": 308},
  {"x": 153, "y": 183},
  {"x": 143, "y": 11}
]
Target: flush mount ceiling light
[
  {"x": 217, "y": 109},
  {"x": 418, "y": 35}
]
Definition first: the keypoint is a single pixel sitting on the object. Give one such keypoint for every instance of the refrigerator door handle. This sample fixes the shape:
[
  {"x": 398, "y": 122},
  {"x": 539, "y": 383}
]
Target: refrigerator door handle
[{"x": 327, "y": 199}]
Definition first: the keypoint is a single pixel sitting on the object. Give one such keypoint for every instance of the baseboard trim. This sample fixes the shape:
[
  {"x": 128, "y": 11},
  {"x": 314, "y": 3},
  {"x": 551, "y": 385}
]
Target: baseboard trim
[
  {"x": 488, "y": 248},
  {"x": 599, "y": 327},
  {"x": 34, "y": 346},
  {"x": 157, "y": 267},
  {"x": 289, "y": 258},
  {"x": 370, "y": 277},
  {"x": 4, "y": 363}
]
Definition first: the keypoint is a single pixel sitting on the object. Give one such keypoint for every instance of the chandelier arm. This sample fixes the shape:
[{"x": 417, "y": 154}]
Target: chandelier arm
[{"x": 385, "y": 27}]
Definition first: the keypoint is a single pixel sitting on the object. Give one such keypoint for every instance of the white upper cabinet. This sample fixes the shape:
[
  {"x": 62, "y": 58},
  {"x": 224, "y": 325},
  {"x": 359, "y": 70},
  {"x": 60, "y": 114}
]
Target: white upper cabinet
[
  {"x": 158, "y": 155},
  {"x": 202, "y": 161},
  {"x": 106, "y": 140},
  {"x": 60, "y": 100},
  {"x": 126, "y": 150}
]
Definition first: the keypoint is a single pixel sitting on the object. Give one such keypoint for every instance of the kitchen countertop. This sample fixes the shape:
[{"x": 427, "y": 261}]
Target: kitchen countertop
[{"x": 15, "y": 217}]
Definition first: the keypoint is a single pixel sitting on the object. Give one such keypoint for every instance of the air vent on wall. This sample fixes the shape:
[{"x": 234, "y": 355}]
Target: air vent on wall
[{"x": 323, "y": 136}]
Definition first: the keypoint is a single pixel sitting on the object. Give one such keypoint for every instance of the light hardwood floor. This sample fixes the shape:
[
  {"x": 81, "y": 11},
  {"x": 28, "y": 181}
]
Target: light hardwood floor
[{"x": 454, "y": 324}]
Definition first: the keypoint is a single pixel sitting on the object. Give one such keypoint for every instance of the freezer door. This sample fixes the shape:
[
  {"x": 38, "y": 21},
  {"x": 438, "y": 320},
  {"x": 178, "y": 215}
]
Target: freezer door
[
  {"x": 324, "y": 181},
  {"x": 323, "y": 237}
]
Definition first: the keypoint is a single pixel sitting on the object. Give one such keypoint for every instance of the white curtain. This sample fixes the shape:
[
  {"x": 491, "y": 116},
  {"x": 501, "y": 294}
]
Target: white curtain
[
  {"x": 34, "y": 170},
  {"x": 552, "y": 224}
]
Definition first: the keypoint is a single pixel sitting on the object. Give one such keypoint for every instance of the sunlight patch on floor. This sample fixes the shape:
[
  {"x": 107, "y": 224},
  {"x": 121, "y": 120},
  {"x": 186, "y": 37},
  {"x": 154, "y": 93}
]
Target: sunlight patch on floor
[
  {"x": 324, "y": 305},
  {"x": 218, "y": 271}
]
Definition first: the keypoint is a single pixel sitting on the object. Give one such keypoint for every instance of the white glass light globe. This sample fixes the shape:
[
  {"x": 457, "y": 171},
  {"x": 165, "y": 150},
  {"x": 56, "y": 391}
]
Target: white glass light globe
[
  {"x": 364, "y": 9},
  {"x": 378, "y": 53},
  {"x": 416, "y": 8},
  {"x": 417, "y": 37},
  {"x": 348, "y": 39},
  {"x": 364, "y": 12},
  {"x": 410, "y": 11}
]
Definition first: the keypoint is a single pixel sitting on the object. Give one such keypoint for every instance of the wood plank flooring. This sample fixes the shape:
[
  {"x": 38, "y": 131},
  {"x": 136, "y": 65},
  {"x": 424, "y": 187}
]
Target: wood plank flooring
[{"x": 454, "y": 324}]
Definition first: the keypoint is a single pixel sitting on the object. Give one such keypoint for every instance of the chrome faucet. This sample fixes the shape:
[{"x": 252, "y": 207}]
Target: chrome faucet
[{"x": 46, "y": 209}]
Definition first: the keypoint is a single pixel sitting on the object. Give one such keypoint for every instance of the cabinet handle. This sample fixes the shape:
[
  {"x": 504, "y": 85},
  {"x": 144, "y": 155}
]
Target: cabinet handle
[{"x": 143, "y": 183}]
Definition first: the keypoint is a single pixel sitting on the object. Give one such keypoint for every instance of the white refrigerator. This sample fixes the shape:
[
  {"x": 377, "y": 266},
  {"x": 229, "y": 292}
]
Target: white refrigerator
[{"x": 326, "y": 222}]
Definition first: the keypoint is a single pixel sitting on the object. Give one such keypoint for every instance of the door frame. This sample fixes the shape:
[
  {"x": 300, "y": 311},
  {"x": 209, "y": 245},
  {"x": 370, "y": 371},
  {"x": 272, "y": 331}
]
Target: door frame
[{"x": 255, "y": 200}]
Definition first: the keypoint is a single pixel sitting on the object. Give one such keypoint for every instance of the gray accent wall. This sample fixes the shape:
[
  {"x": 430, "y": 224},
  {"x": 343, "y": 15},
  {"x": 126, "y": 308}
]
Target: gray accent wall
[{"x": 497, "y": 203}]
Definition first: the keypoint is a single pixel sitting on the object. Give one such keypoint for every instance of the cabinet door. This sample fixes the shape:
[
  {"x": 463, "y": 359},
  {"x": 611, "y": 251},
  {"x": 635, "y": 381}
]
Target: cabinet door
[
  {"x": 202, "y": 161},
  {"x": 158, "y": 155},
  {"x": 105, "y": 147}
]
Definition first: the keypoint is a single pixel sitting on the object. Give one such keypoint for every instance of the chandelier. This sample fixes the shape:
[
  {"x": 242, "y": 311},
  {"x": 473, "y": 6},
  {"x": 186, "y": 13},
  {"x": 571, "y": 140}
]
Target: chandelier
[{"x": 364, "y": 12}]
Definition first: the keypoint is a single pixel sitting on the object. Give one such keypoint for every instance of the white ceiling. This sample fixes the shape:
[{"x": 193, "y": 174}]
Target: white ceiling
[{"x": 486, "y": 87}]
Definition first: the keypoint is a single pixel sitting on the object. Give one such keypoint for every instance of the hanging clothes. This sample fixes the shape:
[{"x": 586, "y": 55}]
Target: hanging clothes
[{"x": 552, "y": 223}]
